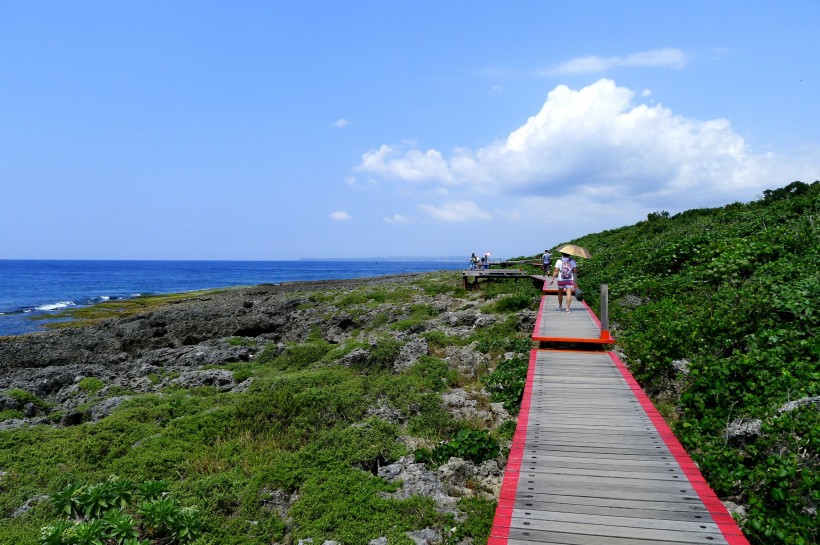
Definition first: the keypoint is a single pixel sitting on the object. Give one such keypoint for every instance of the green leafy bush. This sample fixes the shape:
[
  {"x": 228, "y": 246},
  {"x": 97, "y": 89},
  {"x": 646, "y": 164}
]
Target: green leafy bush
[
  {"x": 474, "y": 445},
  {"x": 91, "y": 385},
  {"x": 103, "y": 513},
  {"x": 733, "y": 292},
  {"x": 507, "y": 381}
]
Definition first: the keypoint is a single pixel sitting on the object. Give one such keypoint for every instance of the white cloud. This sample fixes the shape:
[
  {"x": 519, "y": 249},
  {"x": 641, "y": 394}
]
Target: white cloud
[
  {"x": 340, "y": 216},
  {"x": 663, "y": 58},
  {"x": 410, "y": 165},
  {"x": 396, "y": 218},
  {"x": 598, "y": 143},
  {"x": 341, "y": 123},
  {"x": 456, "y": 211}
]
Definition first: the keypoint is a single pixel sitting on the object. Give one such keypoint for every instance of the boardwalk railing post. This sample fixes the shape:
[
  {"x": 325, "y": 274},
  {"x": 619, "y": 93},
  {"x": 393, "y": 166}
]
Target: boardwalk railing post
[{"x": 604, "y": 311}]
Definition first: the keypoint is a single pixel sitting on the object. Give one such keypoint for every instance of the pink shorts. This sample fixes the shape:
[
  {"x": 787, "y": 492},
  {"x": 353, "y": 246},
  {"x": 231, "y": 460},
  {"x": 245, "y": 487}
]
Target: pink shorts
[{"x": 565, "y": 283}]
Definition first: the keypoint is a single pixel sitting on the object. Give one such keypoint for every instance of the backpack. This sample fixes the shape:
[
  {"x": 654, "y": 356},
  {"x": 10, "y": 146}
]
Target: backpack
[{"x": 566, "y": 269}]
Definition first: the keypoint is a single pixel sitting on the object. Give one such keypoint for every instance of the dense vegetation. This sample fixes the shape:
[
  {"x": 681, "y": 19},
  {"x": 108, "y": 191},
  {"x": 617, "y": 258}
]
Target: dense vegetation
[
  {"x": 717, "y": 312},
  {"x": 303, "y": 435}
]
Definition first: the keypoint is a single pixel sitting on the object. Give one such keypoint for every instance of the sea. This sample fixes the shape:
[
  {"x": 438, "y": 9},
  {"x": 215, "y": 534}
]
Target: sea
[{"x": 32, "y": 291}]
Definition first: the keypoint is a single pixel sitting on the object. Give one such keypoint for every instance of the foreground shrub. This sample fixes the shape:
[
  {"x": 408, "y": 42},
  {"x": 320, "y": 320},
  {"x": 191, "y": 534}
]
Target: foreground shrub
[
  {"x": 475, "y": 446},
  {"x": 506, "y": 383},
  {"x": 105, "y": 513}
]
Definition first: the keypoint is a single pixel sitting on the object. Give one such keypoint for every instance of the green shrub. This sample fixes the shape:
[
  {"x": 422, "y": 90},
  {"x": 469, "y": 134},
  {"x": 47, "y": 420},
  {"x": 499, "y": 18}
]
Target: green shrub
[
  {"x": 506, "y": 383},
  {"x": 91, "y": 385},
  {"x": 106, "y": 513},
  {"x": 435, "y": 374},
  {"x": 11, "y": 414},
  {"x": 475, "y": 446},
  {"x": 241, "y": 341},
  {"x": 384, "y": 354},
  {"x": 513, "y": 296},
  {"x": 437, "y": 339},
  {"x": 301, "y": 355},
  {"x": 348, "y": 505},
  {"x": 478, "y": 521},
  {"x": 23, "y": 398}
]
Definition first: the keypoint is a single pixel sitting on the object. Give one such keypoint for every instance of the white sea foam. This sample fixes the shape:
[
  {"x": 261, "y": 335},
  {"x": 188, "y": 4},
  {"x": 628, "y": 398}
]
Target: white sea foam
[
  {"x": 56, "y": 306},
  {"x": 104, "y": 298}
]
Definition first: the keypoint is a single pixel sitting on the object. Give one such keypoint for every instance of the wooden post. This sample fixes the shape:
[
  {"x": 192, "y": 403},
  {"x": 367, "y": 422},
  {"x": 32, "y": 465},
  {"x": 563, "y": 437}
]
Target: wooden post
[{"x": 604, "y": 311}]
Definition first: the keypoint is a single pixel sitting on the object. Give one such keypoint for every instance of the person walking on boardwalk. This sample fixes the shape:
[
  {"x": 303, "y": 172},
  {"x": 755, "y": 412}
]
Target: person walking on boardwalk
[
  {"x": 565, "y": 271},
  {"x": 545, "y": 259},
  {"x": 473, "y": 262}
]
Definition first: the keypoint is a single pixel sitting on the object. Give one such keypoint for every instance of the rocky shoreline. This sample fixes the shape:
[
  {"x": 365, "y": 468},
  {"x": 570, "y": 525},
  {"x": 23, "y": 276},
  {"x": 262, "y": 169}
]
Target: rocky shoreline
[
  {"x": 187, "y": 342},
  {"x": 184, "y": 336}
]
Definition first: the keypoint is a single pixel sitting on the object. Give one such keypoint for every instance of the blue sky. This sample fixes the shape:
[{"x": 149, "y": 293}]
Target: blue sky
[{"x": 283, "y": 130}]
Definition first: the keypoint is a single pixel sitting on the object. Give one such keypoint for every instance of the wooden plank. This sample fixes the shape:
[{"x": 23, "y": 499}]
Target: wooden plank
[
  {"x": 676, "y": 510},
  {"x": 608, "y": 527},
  {"x": 579, "y": 325},
  {"x": 593, "y": 468}
]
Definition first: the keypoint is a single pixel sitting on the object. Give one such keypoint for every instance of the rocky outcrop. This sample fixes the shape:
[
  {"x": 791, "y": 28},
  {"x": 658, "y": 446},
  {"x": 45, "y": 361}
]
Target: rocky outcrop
[{"x": 187, "y": 343}]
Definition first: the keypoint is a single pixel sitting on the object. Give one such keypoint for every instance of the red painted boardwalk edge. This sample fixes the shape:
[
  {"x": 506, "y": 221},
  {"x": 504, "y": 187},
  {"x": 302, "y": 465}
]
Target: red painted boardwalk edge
[
  {"x": 506, "y": 501},
  {"x": 724, "y": 521}
]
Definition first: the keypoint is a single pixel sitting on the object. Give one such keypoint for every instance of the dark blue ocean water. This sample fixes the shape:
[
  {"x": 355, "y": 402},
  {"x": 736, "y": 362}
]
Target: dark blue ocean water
[{"x": 34, "y": 288}]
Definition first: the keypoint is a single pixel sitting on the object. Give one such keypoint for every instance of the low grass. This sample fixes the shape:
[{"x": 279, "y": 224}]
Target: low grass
[{"x": 301, "y": 428}]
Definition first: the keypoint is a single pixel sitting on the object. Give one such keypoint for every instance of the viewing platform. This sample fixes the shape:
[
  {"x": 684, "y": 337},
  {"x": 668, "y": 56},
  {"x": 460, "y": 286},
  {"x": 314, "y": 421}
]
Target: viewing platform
[{"x": 472, "y": 276}]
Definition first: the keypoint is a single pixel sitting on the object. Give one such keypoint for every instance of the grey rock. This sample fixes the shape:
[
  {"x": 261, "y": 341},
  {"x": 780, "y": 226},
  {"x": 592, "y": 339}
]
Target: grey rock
[
  {"x": 467, "y": 359},
  {"x": 737, "y": 511},
  {"x": 526, "y": 320},
  {"x": 463, "y": 478},
  {"x": 221, "y": 379},
  {"x": 13, "y": 424},
  {"x": 485, "y": 320},
  {"x": 277, "y": 501},
  {"x": 427, "y": 536},
  {"x": 792, "y": 405},
  {"x": 386, "y": 413},
  {"x": 30, "y": 409},
  {"x": 416, "y": 480},
  {"x": 410, "y": 353},
  {"x": 8, "y": 403},
  {"x": 26, "y": 507},
  {"x": 242, "y": 387},
  {"x": 740, "y": 429},
  {"x": 378, "y": 541},
  {"x": 682, "y": 366},
  {"x": 105, "y": 408},
  {"x": 631, "y": 301},
  {"x": 462, "y": 318},
  {"x": 465, "y": 406},
  {"x": 357, "y": 356}
]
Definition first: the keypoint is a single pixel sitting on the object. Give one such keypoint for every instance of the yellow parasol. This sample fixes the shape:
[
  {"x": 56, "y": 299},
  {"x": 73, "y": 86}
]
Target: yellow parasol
[{"x": 572, "y": 249}]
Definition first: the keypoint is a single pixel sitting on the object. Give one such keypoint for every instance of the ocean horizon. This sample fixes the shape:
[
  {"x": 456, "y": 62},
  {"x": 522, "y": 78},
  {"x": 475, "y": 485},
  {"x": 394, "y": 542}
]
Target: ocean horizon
[{"x": 32, "y": 290}]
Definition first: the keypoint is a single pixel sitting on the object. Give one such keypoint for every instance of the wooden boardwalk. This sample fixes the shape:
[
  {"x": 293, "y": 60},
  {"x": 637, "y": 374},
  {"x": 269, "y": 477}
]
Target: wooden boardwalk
[
  {"x": 578, "y": 326},
  {"x": 593, "y": 462}
]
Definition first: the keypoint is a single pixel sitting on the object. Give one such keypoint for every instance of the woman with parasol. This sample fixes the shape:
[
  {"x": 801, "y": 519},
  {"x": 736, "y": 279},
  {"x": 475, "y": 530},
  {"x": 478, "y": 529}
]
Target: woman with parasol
[{"x": 566, "y": 271}]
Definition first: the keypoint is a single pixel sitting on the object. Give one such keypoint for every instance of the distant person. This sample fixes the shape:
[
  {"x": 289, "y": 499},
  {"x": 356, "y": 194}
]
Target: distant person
[
  {"x": 546, "y": 259},
  {"x": 473, "y": 262},
  {"x": 566, "y": 270}
]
